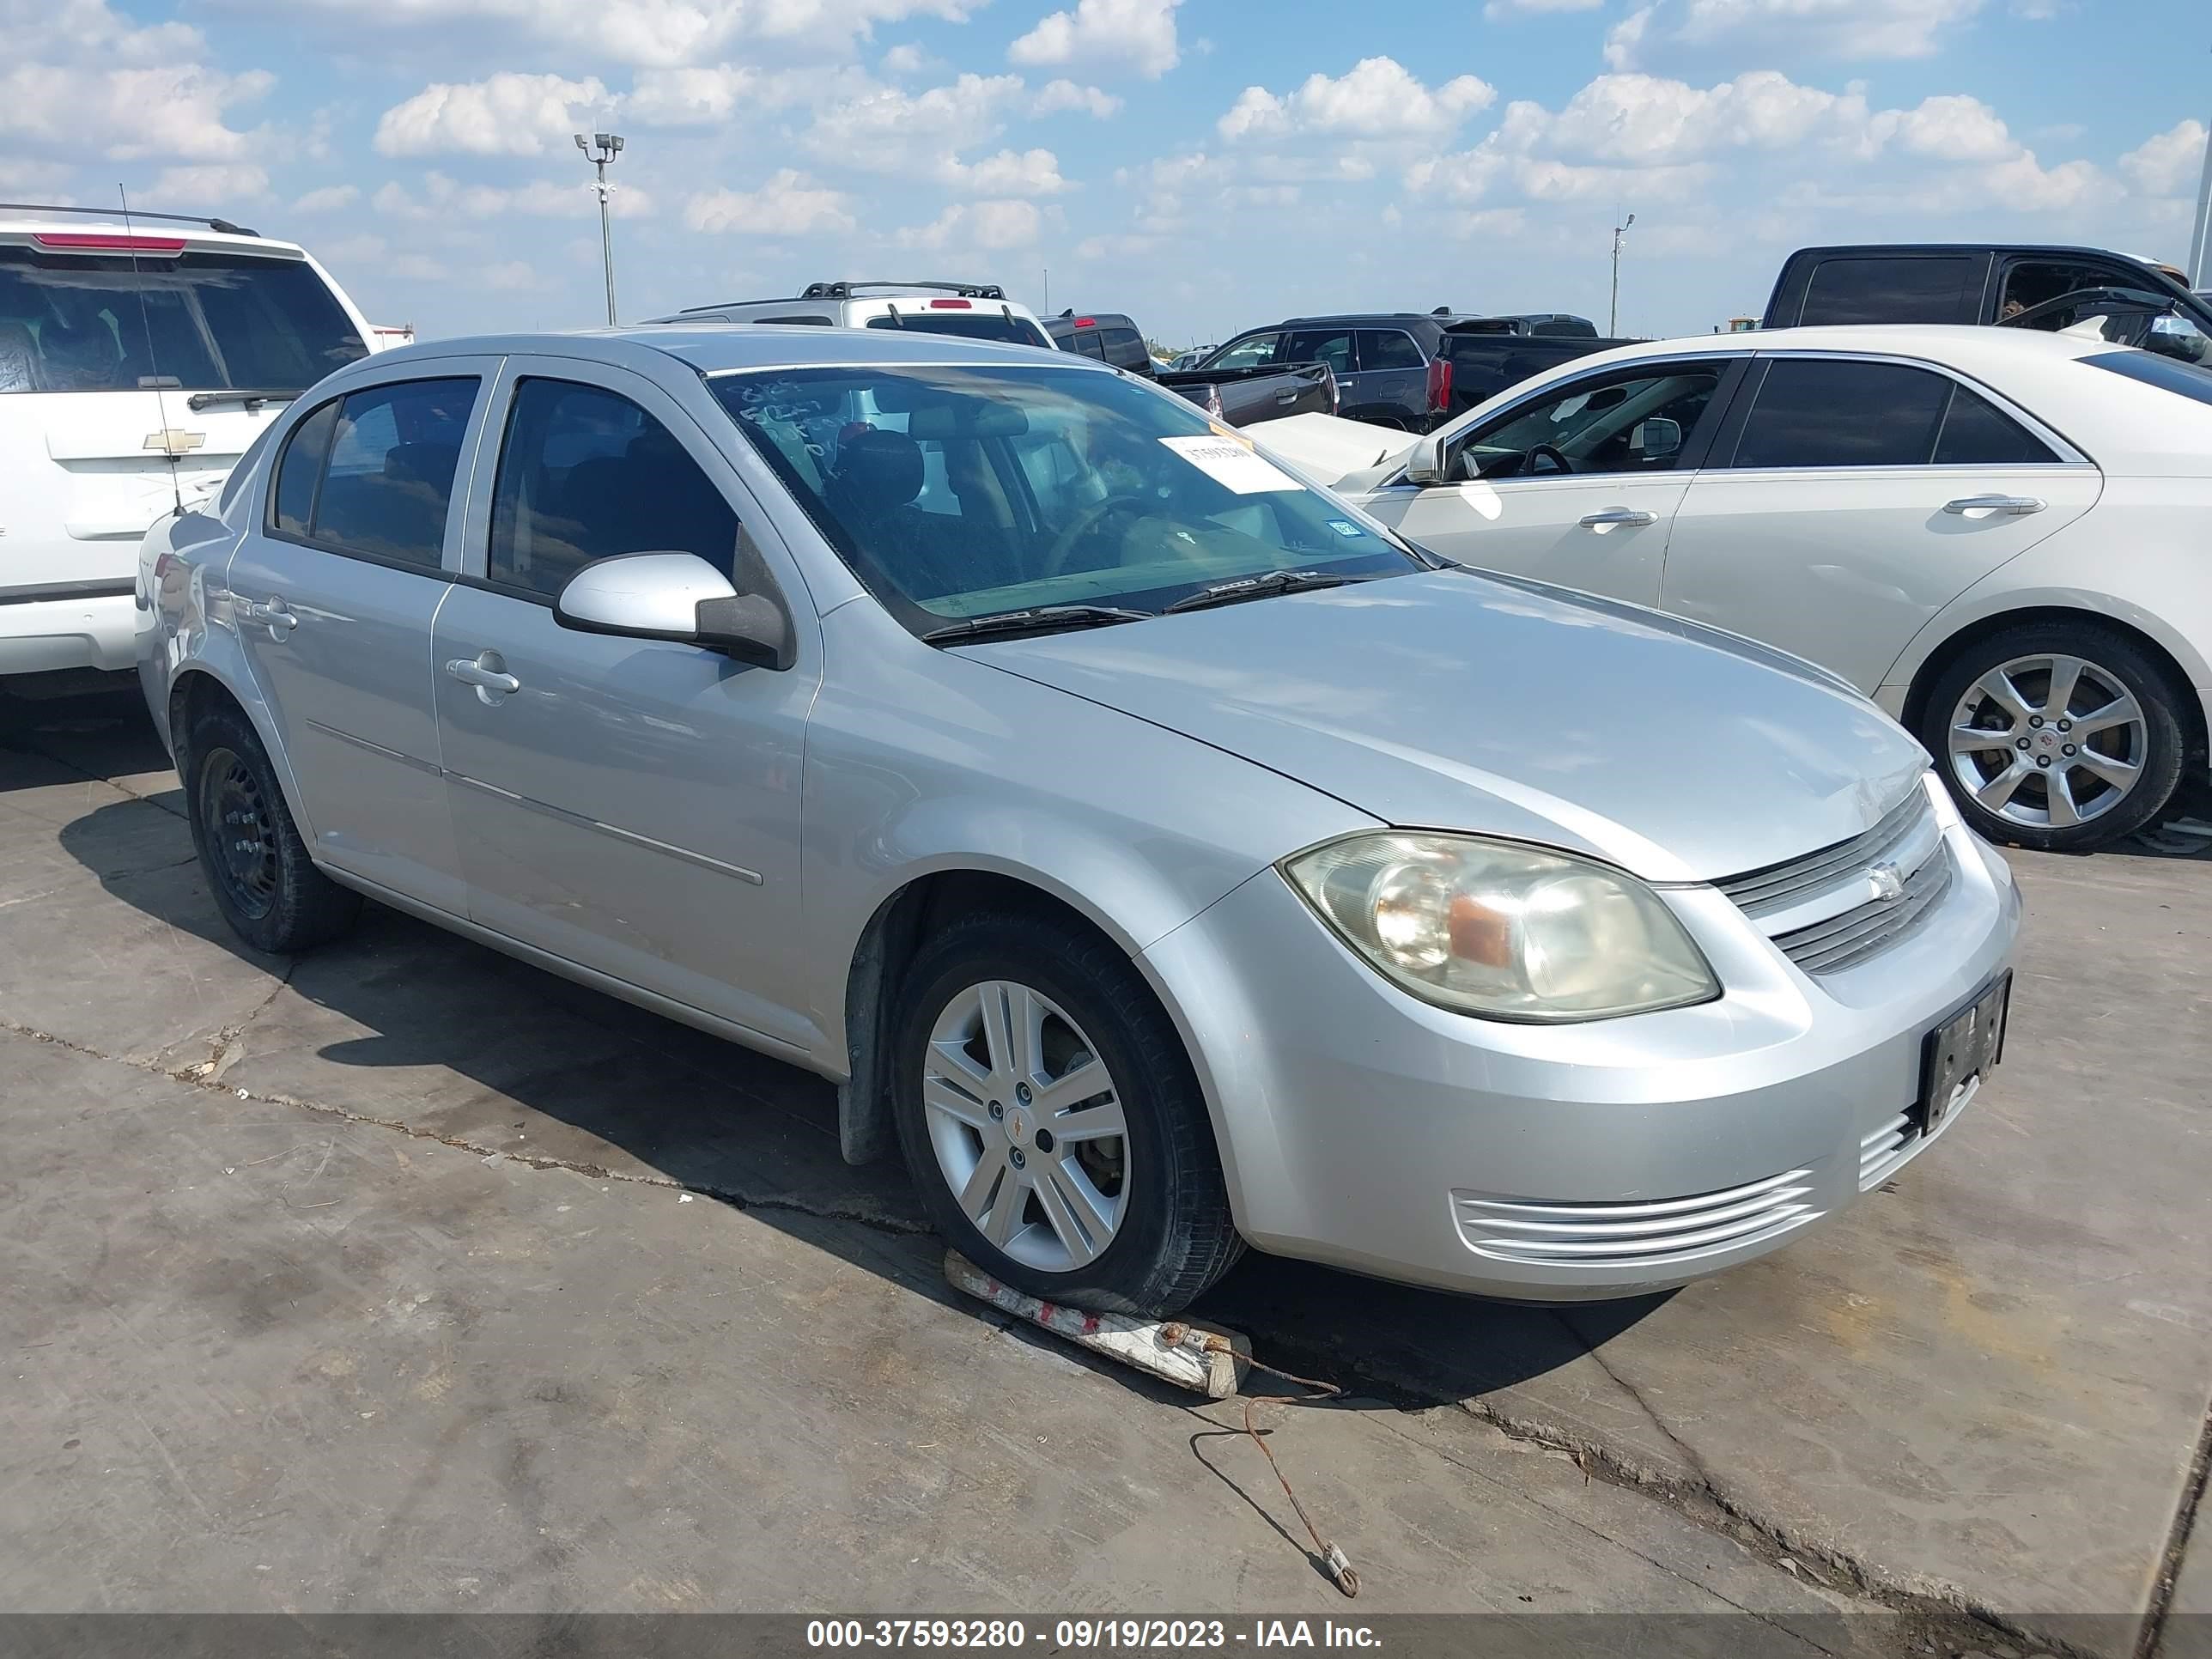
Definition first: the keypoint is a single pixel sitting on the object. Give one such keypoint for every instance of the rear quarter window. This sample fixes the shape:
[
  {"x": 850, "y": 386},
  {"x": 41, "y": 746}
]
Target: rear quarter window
[{"x": 2190, "y": 380}]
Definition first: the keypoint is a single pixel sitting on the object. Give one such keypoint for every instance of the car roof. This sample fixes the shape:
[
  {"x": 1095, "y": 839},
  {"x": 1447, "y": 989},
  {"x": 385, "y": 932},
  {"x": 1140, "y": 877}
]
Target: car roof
[
  {"x": 2067, "y": 248},
  {"x": 1366, "y": 317},
  {"x": 712, "y": 348},
  {"x": 1958, "y": 343},
  {"x": 31, "y": 222}
]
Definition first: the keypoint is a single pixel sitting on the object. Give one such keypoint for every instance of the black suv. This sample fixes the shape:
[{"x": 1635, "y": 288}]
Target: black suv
[
  {"x": 1106, "y": 335},
  {"x": 1388, "y": 365}
]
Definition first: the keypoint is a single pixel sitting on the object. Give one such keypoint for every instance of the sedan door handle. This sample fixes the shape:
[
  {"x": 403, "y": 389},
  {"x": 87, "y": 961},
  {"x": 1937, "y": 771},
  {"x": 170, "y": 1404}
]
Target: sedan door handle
[
  {"x": 488, "y": 673},
  {"x": 1996, "y": 507},
  {"x": 276, "y": 616},
  {"x": 1619, "y": 515}
]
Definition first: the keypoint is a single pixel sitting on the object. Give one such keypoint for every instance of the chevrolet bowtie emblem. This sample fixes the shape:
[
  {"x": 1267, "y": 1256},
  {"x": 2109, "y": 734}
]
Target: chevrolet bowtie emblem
[
  {"x": 1886, "y": 883},
  {"x": 170, "y": 440}
]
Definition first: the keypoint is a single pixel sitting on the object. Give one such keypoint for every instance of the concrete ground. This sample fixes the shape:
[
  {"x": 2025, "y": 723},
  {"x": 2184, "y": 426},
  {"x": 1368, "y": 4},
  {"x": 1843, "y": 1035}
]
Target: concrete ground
[{"x": 402, "y": 1276}]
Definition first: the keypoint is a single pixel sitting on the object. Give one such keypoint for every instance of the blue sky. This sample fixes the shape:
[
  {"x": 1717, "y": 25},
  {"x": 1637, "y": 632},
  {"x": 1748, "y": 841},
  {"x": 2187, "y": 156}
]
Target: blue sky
[{"x": 1205, "y": 165}]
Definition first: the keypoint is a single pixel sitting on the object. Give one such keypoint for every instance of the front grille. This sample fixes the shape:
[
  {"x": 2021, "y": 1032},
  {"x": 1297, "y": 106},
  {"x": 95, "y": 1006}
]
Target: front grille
[
  {"x": 1844, "y": 941},
  {"x": 1634, "y": 1234},
  {"x": 1779, "y": 886},
  {"x": 1826, "y": 912}
]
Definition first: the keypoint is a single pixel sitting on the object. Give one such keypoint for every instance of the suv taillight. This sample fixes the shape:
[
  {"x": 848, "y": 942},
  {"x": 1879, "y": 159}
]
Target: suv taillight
[{"x": 1440, "y": 372}]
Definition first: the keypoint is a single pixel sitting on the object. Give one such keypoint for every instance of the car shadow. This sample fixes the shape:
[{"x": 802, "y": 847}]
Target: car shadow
[{"x": 406, "y": 1025}]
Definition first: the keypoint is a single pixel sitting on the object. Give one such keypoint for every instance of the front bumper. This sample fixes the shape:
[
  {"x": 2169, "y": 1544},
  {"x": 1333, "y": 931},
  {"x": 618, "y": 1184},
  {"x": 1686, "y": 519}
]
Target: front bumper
[
  {"x": 1362, "y": 1127},
  {"x": 40, "y": 635}
]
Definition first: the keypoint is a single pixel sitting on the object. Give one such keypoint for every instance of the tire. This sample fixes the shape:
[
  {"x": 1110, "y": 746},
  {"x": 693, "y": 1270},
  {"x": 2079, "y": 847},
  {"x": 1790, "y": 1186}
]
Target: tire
[
  {"x": 1150, "y": 1204},
  {"x": 2088, "y": 787},
  {"x": 264, "y": 884}
]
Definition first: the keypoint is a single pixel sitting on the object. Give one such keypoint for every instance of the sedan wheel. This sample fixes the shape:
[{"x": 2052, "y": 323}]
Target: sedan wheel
[
  {"x": 1027, "y": 1126},
  {"x": 2049, "y": 741},
  {"x": 2055, "y": 736},
  {"x": 1051, "y": 1119}
]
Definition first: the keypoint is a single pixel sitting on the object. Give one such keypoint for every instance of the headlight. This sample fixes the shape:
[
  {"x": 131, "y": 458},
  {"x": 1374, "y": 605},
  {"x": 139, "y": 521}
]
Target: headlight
[{"x": 1501, "y": 930}]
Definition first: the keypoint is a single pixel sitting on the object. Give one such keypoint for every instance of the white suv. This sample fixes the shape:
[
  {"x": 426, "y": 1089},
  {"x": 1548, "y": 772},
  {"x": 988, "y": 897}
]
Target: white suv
[
  {"x": 138, "y": 360},
  {"x": 973, "y": 311}
]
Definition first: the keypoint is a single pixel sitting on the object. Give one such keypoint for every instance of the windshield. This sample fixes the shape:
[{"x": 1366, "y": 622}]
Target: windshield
[
  {"x": 1000, "y": 326},
  {"x": 957, "y": 492},
  {"x": 210, "y": 322}
]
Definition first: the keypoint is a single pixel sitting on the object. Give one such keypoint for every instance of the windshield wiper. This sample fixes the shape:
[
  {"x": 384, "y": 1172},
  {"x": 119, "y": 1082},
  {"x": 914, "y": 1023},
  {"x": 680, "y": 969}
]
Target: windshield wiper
[
  {"x": 1037, "y": 619},
  {"x": 1259, "y": 587},
  {"x": 240, "y": 394}
]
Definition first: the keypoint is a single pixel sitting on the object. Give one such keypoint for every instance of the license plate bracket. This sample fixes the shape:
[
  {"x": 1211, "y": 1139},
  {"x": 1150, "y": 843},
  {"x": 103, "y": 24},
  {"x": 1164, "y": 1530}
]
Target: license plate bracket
[{"x": 1961, "y": 1051}]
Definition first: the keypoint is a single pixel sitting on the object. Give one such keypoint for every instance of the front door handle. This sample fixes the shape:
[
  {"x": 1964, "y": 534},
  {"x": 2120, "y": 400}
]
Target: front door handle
[
  {"x": 1612, "y": 515},
  {"x": 487, "y": 674},
  {"x": 1995, "y": 507}
]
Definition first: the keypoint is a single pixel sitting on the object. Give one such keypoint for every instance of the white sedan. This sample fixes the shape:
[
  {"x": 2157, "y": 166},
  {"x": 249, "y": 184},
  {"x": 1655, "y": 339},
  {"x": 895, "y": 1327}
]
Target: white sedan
[{"x": 2000, "y": 536}]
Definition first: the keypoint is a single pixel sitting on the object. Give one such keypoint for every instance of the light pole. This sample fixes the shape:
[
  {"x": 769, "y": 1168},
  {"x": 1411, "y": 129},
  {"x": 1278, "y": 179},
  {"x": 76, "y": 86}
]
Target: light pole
[
  {"x": 1613, "y": 318},
  {"x": 2200, "y": 245},
  {"x": 601, "y": 149}
]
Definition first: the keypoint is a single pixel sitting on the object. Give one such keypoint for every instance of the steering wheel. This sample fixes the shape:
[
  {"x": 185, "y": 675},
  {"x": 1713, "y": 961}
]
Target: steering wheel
[
  {"x": 1056, "y": 555},
  {"x": 1548, "y": 452}
]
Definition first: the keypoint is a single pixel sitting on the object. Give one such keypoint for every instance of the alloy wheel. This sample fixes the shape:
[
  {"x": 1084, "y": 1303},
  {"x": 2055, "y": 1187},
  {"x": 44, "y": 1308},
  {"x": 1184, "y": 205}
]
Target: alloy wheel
[
  {"x": 2048, "y": 741},
  {"x": 239, "y": 832},
  {"x": 1027, "y": 1125}
]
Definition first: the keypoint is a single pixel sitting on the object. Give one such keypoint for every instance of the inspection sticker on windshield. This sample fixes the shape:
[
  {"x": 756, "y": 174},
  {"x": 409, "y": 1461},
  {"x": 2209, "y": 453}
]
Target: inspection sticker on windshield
[
  {"x": 1233, "y": 464},
  {"x": 1346, "y": 528}
]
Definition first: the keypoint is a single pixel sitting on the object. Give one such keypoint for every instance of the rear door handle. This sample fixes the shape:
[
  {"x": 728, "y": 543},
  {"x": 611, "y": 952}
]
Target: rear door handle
[
  {"x": 1630, "y": 515},
  {"x": 488, "y": 673},
  {"x": 1995, "y": 507},
  {"x": 276, "y": 616}
]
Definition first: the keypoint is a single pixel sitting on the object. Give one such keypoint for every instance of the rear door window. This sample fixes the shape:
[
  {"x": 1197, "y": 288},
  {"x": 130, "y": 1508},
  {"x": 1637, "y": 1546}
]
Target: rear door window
[
  {"x": 198, "y": 321},
  {"x": 1891, "y": 291},
  {"x": 386, "y": 478},
  {"x": 1331, "y": 346},
  {"x": 586, "y": 474},
  {"x": 1253, "y": 352},
  {"x": 1388, "y": 348},
  {"x": 1819, "y": 412}
]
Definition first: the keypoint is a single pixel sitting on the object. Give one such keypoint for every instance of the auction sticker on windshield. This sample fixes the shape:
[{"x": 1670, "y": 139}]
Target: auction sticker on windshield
[{"x": 1232, "y": 464}]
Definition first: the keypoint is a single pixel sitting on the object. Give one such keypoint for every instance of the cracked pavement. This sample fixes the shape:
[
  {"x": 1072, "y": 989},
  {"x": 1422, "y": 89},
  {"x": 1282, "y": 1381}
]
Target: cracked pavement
[{"x": 403, "y": 1276}]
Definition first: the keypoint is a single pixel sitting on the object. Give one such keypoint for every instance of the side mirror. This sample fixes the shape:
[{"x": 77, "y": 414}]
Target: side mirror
[
  {"x": 1656, "y": 438},
  {"x": 677, "y": 597},
  {"x": 1425, "y": 461}
]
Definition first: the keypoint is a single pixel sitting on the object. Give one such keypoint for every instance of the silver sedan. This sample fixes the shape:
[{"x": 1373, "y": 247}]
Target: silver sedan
[{"x": 1159, "y": 852}]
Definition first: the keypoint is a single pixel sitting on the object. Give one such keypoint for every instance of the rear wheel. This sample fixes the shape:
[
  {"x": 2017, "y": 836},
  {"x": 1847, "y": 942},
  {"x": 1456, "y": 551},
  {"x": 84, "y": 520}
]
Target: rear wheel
[
  {"x": 1051, "y": 1121},
  {"x": 2060, "y": 737},
  {"x": 264, "y": 884}
]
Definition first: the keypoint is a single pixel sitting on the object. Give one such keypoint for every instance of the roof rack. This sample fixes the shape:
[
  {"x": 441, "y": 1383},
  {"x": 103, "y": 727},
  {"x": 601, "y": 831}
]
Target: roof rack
[
  {"x": 223, "y": 225},
  {"x": 846, "y": 291}
]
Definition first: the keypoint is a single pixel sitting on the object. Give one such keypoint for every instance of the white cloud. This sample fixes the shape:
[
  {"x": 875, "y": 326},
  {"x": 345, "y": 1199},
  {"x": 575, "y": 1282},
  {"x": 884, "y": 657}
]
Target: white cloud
[
  {"x": 1498, "y": 9},
  {"x": 713, "y": 94},
  {"x": 327, "y": 199},
  {"x": 991, "y": 225},
  {"x": 1857, "y": 29},
  {"x": 127, "y": 115},
  {"x": 1949, "y": 128},
  {"x": 1376, "y": 98},
  {"x": 445, "y": 201},
  {"x": 884, "y": 130},
  {"x": 366, "y": 255},
  {"x": 910, "y": 59},
  {"x": 1030, "y": 173},
  {"x": 1056, "y": 95},
  {"x": 1134, "y": 34},
  {"x": 512, "y": 276},
  {"x": 2168, "y": 164},
  {"x": 212, "y": 184},
  {"x": 788, "y": 205},
  {"x": 506, "y": 115},
  {"x": 661, "y": 33},
  {"x": 1642, "y": 119}
]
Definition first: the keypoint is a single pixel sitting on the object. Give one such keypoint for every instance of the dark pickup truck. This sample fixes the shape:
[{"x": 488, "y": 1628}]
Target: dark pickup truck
[
  {"x": 2009, "y": 284},
  {"x": 1486, "y": 358},
  {"x": 1268, "y": 392}
]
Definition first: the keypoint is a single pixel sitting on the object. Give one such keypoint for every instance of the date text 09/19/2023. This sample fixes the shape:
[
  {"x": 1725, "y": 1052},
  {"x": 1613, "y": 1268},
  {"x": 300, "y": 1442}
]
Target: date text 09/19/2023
[{"x": 1119, "y": 1635}]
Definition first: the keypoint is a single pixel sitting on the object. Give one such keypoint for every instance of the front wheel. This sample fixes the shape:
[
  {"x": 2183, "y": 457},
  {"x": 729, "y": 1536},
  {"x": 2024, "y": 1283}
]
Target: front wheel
[
  {"x": 2055, "y": 736},
  {"x": 1051, "y": 1121}
]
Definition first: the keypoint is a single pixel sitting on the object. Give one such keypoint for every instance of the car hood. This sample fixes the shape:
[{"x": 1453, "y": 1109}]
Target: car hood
[{"x": 1450, "y": 700}]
